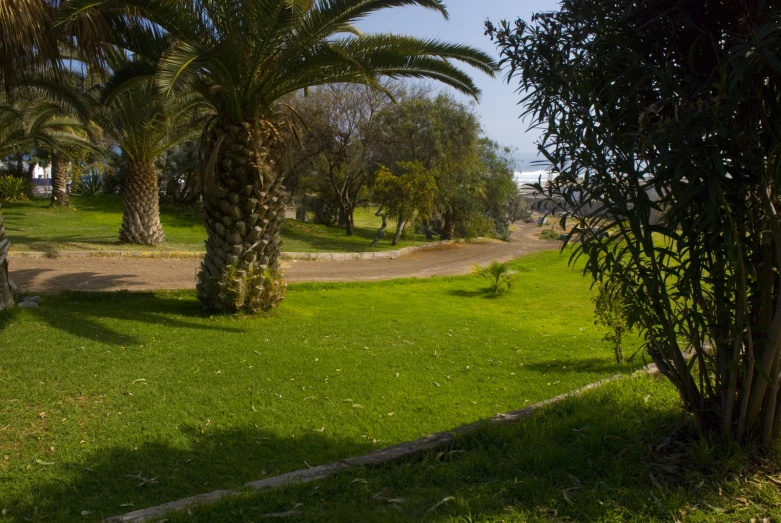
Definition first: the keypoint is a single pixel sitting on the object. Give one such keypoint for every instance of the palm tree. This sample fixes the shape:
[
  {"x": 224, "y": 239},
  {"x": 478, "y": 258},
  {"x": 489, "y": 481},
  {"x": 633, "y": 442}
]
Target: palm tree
[
  {"x": 26, "y": 39},
  {"x": 52, "y": 114},
  {"x": 27, "y": 123},
  {"x": 145, "y": 124},
  {"x": 244, "y": 57}
]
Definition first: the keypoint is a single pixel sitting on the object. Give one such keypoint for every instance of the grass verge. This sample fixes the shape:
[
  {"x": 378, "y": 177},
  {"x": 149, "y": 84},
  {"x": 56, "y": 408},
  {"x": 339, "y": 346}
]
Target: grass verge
[
  {"x": 624, "y": 452},
  {"x": 93, "y": 224},
  {"x": 101, "y": 392}
]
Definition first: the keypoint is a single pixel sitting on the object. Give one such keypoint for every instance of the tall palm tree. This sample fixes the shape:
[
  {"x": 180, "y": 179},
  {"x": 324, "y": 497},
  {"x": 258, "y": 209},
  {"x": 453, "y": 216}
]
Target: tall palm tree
[
  {"x": 244, "y": 56},
  {"x": 144, "y": 124},
  {"x": 54, "y": 115}
]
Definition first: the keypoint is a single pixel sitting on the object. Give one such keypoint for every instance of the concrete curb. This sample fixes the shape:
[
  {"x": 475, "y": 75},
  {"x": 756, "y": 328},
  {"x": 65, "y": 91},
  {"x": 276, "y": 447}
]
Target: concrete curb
[
  {"x": 288, "y": 256},
  {"x": 386, "y": 455}
]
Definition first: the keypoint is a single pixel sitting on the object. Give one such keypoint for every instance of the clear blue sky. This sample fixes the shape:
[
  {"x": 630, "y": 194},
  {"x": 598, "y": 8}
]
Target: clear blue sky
[{"x": 498, "y": 108}]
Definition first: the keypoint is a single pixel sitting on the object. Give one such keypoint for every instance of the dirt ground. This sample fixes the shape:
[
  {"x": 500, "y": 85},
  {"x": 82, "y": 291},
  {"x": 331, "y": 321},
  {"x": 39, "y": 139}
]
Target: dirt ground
[{"x": 46, "y": 276}]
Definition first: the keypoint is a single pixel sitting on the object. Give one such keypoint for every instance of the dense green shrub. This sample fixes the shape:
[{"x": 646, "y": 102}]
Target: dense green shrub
[{"x": 13, "y": 188}]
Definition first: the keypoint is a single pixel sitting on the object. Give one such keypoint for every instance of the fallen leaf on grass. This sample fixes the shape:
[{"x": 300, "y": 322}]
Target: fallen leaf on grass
[
  {"x": 359, "y": 480},
  {"x": 44, "y": 462},
  {"x": 357, "y": 406},
  {"x": 436, "y": 384},
  {"x": 139, "y": 380},
  {"x": 391, "y": 413},
  {"x": 444, "y": 500},
  {"x": 566, "y": 498}
]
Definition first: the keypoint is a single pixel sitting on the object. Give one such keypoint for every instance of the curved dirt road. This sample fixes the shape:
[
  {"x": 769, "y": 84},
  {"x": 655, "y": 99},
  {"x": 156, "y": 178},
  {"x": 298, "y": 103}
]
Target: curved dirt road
[{"x": 138, "y": 274}]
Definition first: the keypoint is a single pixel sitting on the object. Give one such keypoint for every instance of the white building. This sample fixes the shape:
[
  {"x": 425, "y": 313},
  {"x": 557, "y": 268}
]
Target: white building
[{"x": 41, "y": 172}]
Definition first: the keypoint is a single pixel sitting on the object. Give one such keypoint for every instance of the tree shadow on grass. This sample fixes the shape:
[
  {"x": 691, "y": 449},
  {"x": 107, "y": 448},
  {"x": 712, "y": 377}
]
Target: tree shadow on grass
[
  {"x": 481, "y": 293},
  {"x": 116, "y": 480},
  {"x": 588, "y": 365},
  {"x": 614, "y": 454},
  {"x": 83, "y": 314}
]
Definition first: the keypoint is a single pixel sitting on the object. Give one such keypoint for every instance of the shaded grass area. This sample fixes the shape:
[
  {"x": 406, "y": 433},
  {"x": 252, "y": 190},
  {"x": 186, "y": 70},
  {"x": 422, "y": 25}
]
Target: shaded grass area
[
  {"x": 100, "y": 392},
  {"x": 624, "y": 452},
  {"x": 93, "y": 224}
]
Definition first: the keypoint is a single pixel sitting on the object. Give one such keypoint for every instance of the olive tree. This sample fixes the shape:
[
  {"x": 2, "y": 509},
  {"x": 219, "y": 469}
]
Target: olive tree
[{"x": 659, "y": 121}]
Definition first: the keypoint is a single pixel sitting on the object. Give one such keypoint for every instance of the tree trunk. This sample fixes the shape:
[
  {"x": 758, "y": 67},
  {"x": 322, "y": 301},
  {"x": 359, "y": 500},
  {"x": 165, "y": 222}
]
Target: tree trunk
[
  {"x": 6, "y": 296},
  {"x": 400, "y": 224},
  {"x": 448, "y": 229},
  {"x": 381, "y": 231},
  {"x": 60, "y": 197},
  {"x": 244, "y": 204},
  {"x": 141, "y": 218}
]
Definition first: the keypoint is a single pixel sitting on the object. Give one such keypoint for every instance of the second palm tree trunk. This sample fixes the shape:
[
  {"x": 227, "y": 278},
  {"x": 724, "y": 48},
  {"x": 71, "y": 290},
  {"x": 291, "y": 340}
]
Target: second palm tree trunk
[
  {"x": 244, "y": 204},
  {"x": 141, "y": 217},
  {"x": 60, "y": 197}
]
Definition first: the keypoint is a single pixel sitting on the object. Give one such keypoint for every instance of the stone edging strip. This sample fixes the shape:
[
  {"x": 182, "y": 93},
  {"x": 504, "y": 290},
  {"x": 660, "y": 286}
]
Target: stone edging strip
[
  {"x": 290, "y": 256},
  {"x": 377, "y": 457}
]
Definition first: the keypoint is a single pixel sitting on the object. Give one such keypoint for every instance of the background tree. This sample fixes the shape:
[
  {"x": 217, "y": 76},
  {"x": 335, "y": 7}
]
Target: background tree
[
  {"x": 503, "y": 202},
  {"x": 244, "y": 57},
  {"x": 443, "y": 135},
  {"x": 406, "y": 195},
  {"x": 671, "y": 107},
  {"x": 340, "y": 131},
  {"x": 179, "y": 171}
]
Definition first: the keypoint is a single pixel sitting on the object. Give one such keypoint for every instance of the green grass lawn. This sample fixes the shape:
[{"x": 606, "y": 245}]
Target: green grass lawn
[
  {"x": 98, "y": 388},
  {"x": 93, "y": 224},
  {"x": 624, "y": 452}
]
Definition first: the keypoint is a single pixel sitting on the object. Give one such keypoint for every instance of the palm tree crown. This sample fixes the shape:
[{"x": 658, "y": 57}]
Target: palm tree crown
[{"x": 244, "y": 55}]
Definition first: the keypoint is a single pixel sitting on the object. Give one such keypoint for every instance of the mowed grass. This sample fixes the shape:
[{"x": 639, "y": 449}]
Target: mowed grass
[
  {"x": 101, "y": 392},
  {"x": 93, "y": 224},
  {"x": 625, "y": 452}
]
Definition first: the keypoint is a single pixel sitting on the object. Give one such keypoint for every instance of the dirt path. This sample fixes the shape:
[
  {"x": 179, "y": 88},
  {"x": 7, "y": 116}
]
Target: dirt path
[{"x": 138, "y": 274}]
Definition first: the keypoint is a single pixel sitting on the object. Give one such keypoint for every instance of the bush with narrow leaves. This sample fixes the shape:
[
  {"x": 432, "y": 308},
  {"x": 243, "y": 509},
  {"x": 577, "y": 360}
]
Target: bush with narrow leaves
[
  {"x": 13, "y": 188},
  {"x": 500, "y": 276}
]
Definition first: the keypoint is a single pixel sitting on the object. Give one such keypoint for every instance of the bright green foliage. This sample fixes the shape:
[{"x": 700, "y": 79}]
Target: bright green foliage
[
  {"x": 498, "y": 275},
  {"x": 611, "y": 310},
  {"x": 13, "y": 188},
  {"x": 146, "y": 383},
  {"x": 409, "y": 194},
  {"x": 474, "y": 178}
]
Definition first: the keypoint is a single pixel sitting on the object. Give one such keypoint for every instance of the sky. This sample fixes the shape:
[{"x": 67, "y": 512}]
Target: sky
[{"x": 498, "y": 109}]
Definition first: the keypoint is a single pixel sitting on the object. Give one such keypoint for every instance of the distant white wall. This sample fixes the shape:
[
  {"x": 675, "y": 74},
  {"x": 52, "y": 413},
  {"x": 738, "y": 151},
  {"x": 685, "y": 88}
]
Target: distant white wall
[{"x": 41, "y": 172}]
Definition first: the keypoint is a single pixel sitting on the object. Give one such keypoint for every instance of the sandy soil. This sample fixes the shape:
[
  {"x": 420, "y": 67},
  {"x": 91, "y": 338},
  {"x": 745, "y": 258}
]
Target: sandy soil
[{"x": 137, "y": 274}]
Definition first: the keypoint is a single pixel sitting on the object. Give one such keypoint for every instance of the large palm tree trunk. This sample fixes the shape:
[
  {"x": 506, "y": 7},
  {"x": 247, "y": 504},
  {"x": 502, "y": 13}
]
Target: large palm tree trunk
[
  {"x": 244, "y": 204},
  {"x": 60, "y": 197},
  {"x": 141, "y": 218},
  {"x": 6, "y": 296}
]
